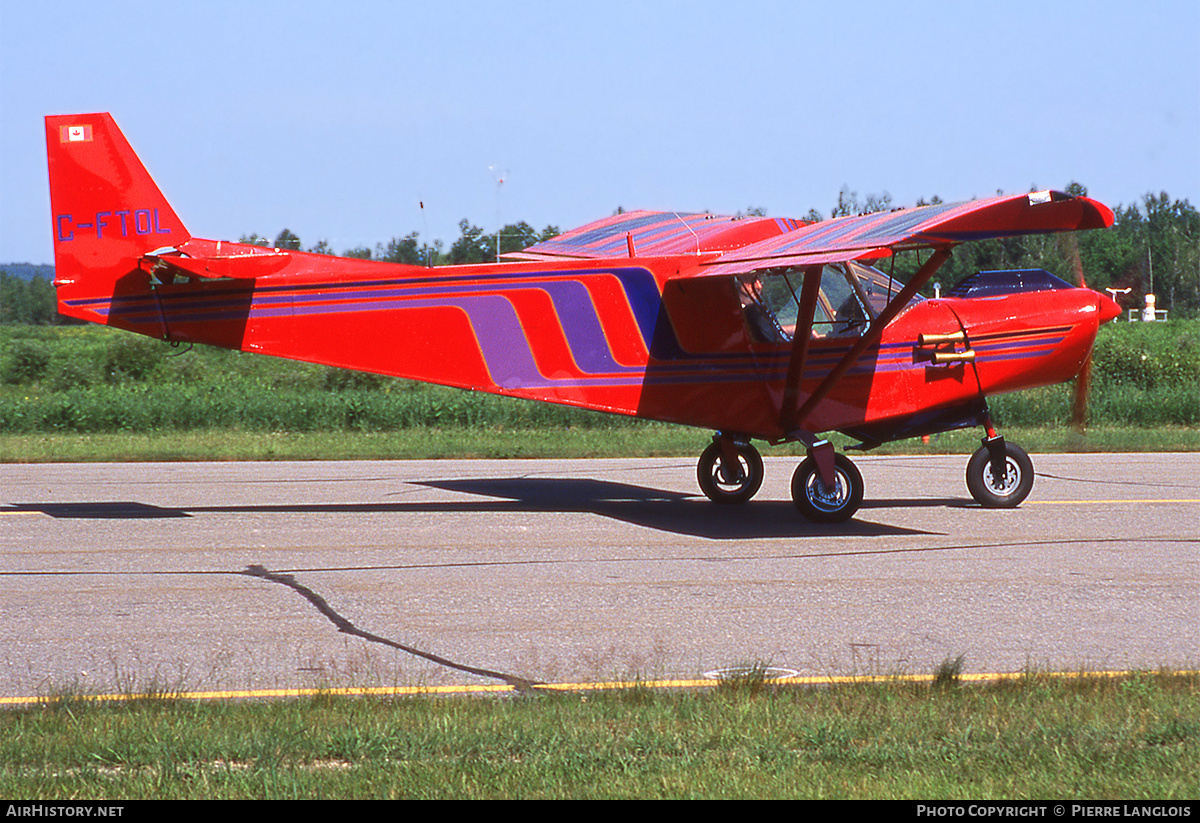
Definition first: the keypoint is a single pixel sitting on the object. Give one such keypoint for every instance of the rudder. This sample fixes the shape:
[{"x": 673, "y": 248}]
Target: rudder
[{"x": 106, "y": 210}]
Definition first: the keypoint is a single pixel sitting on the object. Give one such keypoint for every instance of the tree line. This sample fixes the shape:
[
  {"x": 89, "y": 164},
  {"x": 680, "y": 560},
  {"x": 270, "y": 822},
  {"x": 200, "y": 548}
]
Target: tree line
[
  {"x": 473, "y": 245},
  {"x": 1153, "y": 247}
]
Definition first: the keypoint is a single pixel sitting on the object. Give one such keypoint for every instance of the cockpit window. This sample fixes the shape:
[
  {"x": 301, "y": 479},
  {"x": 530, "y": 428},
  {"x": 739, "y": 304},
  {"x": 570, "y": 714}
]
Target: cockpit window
[
  {"x": 851, "y": 296},
  {"x": 848, "y": 314}
]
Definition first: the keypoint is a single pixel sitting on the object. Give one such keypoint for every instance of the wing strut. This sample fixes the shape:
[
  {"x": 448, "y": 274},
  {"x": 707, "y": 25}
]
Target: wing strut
[
  {"x": 870, "y": 336},
  {"x": 809, "y": 292}
]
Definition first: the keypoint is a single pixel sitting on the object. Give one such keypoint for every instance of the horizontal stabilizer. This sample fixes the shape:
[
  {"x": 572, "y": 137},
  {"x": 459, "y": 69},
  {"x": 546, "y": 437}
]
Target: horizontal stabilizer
[{"x": 237, "y": 261}]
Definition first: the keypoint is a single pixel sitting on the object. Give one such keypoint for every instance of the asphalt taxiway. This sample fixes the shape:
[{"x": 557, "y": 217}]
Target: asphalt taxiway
[{"x": 131, "y": 576}]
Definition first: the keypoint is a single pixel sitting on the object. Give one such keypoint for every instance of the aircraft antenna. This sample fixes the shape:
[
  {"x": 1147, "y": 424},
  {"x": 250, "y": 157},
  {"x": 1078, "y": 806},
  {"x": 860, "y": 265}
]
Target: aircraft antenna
[{"x": 689, "y": 228}]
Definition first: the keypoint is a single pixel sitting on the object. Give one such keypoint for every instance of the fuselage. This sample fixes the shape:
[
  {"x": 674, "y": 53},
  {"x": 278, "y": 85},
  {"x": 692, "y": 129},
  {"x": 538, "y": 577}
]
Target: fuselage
[{"x": 633, "y": 336}]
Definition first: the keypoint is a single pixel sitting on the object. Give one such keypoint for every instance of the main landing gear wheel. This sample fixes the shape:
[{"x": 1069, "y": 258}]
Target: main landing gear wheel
[
  {"x": 725, "y": 481},
  {"x": 1004, "y": 492},
  {"x": 824, "y": 505}
]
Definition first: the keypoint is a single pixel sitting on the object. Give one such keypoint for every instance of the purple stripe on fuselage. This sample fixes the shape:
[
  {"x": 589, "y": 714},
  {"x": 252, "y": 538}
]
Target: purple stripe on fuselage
[
  {"x": 572, "y": 303},
  {"x": 497, "y": 330}
]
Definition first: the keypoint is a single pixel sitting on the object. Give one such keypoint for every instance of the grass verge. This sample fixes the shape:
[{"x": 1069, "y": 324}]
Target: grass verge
[
  {"x": 649, "y": 440},
  {"x": 1135, "y": 737}
]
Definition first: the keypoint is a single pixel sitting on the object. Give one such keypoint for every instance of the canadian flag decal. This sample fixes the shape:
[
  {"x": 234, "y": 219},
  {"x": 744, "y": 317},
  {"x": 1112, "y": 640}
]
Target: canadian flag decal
[{"x": 76, "y": 134}]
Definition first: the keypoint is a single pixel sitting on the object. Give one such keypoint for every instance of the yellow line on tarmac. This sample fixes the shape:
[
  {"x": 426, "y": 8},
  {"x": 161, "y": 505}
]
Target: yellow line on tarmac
[
  {"x": 613, "y": 685},
  {"x": 1107, "y": 502}
]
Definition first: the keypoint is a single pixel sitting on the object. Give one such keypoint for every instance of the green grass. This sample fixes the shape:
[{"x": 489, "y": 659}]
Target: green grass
[
  {"x": 1035, "y": 737},
  {"x": 649, "y": 440},
  {"x": 88, "y": 393}
]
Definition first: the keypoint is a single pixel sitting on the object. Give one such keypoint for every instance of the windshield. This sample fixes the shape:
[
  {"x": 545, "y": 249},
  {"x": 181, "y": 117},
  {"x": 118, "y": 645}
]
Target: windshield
[{"x": 851, "y": 296}]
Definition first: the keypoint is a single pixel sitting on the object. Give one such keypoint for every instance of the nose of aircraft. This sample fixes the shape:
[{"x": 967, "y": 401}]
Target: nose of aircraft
[{"x": 1109, "y": 310}]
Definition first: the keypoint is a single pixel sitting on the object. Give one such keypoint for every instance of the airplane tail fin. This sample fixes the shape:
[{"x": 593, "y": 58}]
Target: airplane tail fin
[{"x": 106, "y": 210}]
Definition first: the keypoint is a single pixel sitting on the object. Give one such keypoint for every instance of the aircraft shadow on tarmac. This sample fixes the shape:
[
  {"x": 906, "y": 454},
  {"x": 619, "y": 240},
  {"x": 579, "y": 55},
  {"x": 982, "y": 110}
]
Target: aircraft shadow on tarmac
[{"x": 651, "y": 508}]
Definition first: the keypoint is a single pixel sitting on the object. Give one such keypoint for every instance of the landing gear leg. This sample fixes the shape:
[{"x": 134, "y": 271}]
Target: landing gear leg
[
  {"x": 827, "y": 493},
  {"x": 999, "y": 474},
  {"x": 730, "y": 470}
]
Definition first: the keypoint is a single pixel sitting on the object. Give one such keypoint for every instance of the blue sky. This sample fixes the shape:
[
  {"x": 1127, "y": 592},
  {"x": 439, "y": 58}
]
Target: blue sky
[{"x": 336, "y": 119}]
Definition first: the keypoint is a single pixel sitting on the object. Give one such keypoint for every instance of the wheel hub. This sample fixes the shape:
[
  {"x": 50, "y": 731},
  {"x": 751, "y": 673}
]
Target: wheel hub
[
  {"x": 820, "y": 494},
  {"x": 1008, "y": 482},
  {"x": 731, "y": 473}
]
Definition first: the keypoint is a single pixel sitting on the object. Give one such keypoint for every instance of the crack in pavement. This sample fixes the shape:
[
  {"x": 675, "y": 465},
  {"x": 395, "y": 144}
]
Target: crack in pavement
[{"x": 346, "y": 627}]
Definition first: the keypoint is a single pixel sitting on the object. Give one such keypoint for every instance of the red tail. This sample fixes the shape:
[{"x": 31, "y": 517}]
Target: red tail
[{"x": 106, "y": 210}]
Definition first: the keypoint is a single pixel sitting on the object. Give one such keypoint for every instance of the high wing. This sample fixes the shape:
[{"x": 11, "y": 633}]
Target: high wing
[
  {"x": 872, "y": 236},
  {"x": 658, "y": 234},
  {"x": 734, "y": 245}
]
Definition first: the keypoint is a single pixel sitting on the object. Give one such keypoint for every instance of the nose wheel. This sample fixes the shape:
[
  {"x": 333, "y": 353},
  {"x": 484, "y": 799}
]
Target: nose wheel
[
  {"x": 730, "y": 472},
  {"x": 1000, "y": 475},
  {"x": 823, "y": 503}
]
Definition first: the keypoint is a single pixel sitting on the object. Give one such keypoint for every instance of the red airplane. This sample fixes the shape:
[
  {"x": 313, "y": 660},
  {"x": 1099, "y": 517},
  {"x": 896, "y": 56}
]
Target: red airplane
[{"x": 757, "y": 328}]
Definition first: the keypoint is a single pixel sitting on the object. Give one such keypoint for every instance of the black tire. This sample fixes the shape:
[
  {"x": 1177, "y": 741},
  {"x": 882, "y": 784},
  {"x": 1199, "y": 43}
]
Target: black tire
[
  {"x": 1011, "y": 490},
  {"x": 819, "y": 505},
  {"x": 730, "y": 484}
]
